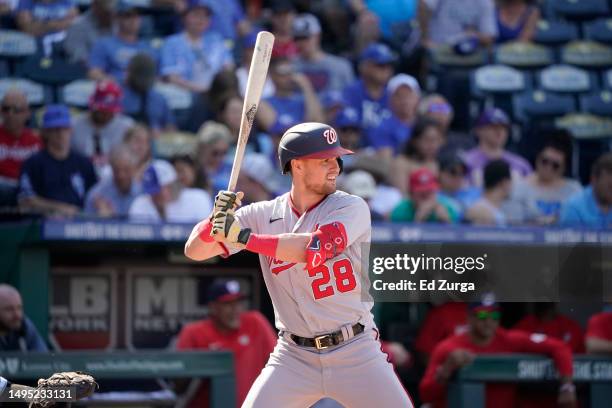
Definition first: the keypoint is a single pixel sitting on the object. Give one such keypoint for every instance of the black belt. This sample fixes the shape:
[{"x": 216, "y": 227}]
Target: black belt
[{"x": 326, "y": 340}]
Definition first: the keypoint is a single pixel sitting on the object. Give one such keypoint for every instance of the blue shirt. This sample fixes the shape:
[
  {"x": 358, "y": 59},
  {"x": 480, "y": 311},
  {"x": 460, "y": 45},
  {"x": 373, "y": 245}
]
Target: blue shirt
[
  {"x": 112, "y": 55},
  {"x": 464, "y": 198},
  {"x": 65, "y": 180},
  {"x": 581, "y": 210},
  {"x": 107, "y": 190},
  {"x": 391, "y": 132},
  {"x": 226, "y": 15},
  {"x": 392, "y": 13},
  {"x": 47, "y": 11},
  {"x": 25, "y": 339},
  {"x": 158, "y": 113},
  {"x": 179, "y": 57},
  {"x": 371, "y": 111},
  {"x": 289, "y": 109}
]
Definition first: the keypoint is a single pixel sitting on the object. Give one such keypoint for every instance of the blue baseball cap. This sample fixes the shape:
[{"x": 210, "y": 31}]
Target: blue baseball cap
[
  {"x": 125, "y": 7},
  {"x": 224, "y": 291},
  {"x": 193, "y": 4},
  {"x": 56, "y": 116},
  {"x": 487, "y": 302},
  {"x": 332, "y": 98},
  {"x": 378, "y": 53},
  {"x": 493, "y": 116},
  {"x": 160, "y": 173},
  {"x": 348, "y": 118}
]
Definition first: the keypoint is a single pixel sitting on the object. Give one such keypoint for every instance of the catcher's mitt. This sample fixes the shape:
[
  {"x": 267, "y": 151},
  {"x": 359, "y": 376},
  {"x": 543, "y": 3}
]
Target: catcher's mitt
[{"x": 82, "y": 384}]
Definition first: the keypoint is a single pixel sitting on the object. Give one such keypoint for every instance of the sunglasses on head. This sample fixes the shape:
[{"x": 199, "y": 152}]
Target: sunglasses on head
[
  {"x": 488, "y": 314},
  {"x": 545, "y": 161},
  {"x": 439, "y": 108},
  {"x": 13, "y": 109}
]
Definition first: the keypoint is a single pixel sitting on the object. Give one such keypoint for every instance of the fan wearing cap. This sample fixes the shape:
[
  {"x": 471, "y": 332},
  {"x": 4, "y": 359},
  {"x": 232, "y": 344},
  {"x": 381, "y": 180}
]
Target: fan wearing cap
[
  {"x": 191, "y": 58},
  {"x": 103, "y": 126},
  {"x": 54, "y": 181},
  {"x": 325, "y": 71},
  {"x": 454, "y": 185},
  {"x": 424, "y": 204},
  {"x": 492, "y": 130},
  {"x": 281, "y": 20},
  {"x": 394, "y": 130},
  {"x": 110, "y": 55},
  {"x": 164, "y": 200},
  {"x": 368, "y": 94},
  {"x": 97, "y": 21},
  {"x": 247, "y": 334},
  {"x": 484, "y": 336},
  {"x": 349, "y": 129}
]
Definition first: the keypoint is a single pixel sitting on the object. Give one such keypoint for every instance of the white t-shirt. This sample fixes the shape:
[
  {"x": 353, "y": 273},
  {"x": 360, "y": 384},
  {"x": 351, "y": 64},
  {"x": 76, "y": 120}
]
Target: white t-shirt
[{"x": 192, "y": 204}]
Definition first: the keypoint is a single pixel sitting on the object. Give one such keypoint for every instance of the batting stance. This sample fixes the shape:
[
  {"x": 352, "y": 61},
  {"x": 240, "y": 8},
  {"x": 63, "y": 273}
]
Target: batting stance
[{"x": 309, "y": 245}]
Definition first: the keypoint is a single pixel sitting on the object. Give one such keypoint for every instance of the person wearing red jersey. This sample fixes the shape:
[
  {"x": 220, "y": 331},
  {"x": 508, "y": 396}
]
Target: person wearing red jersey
[
  {"x": 17, "y": 143},
  {"x": 599, "y": 332},
  {"x": 484, "y": 336},
  {"x": 547, "y": 320},
  {"x": 246, "y": 333},
  {"x": 440, "y": 322}
]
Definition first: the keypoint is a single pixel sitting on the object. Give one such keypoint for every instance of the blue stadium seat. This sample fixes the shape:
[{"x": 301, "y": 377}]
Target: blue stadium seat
[
  {"x": 541, "y": 105},
  {"x": 607, "y": 79},
  {"x": 494, "y": 85},
  {"x": 597, "y": 103},
  {"x": 179, "y": 100},
  {"x": 523, "y": 55},
  {"x": 599, "y": 30},
  {"x": 4, "y": 68},
  {"x": 580, "y": 9},
  {"x": 76, "y": 94},
  {"x": 15, "y": 44},
  {"x": 552, "y": 33},
  {"x": 36, "y": 94},
  {"x": 587, "y": 54},
  {"x": 566, "y": 79}
]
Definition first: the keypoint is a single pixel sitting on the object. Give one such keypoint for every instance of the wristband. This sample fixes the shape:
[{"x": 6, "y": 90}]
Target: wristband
[
  {"x": 204, "y": 234},
  {"x": 263, "y": 244},
  {"x": 568, "y": 387}
]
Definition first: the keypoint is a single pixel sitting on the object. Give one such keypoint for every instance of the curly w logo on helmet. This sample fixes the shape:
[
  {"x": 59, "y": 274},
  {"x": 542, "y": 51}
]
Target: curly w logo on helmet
[{"x": 330, "y": 135}]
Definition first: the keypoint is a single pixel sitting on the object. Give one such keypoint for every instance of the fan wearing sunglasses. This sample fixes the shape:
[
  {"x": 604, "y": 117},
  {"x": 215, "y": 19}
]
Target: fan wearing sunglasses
[
  {"x": 484, "y": 336},
  {"x": 548, "y": 186}
]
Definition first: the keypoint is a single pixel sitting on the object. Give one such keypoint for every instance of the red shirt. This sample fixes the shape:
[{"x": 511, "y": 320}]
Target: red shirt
[
  {"x": 14, "y": 151},
  {"x": 284, "y": 49},
  {"x": 600, "y": 326},
  {"x": 561, "y": 327},
  {"x": 504, "y": 341},
  {"x": 251, "y": 345},
  {"x": 441, "y": 322}
]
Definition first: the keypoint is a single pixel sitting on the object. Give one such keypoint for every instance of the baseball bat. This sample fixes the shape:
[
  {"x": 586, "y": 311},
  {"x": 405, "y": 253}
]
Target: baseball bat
[{"x": 254, "y": 88}]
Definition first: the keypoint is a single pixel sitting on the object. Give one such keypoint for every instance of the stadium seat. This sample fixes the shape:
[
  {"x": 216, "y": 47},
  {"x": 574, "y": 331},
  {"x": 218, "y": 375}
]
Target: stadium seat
[
  {"x": 587, "y": 54},
  {"x": 599, "y": 30},
  {"x": 552, "y": 33},
  {"x": 15, "y": 44},
  {"x": 76, "y": 94},
  {"x": 523, "y": 55},
  {"x": 607, "y": 79},
  {"x": 538, "y": 104},
  {"x": 5, "y": 70},
  {"x": 447, "y": 57},
  {"x": 175, "y": 143},
  {"x": 580, "y": 9},
  {"x": 565, "y": 79},
  {"x": 179, "y": 100},
  {"x": 34, "y": 92},
  {"x": 494, "y": 85},
  {"x": 597, "y": 103}
]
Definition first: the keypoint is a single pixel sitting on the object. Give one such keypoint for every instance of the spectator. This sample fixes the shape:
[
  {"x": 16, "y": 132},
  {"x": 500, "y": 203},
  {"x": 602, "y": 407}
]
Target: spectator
[
  {"x": 96, "y": 22},
  {"x": 192, "y": 58},
  {"x": 484, "y": 336},
  {"x": 547, "y": 186},
  {"x": 110, "y": 56},
  {"x": 55, "y": 180},
  {"x": 257, "y": 179},
  {"x": 283, "y": 13},
  {"x": 492, "y": 132},
  {"x": 421, "y": 150},
  {"x": 394, "y": 18},
  {"x": 599, "y": 332},
  {"x": 441, "y": 322},
  {"x": 186, "y": 171},
  {"x": 103, "y": 126},
  {"x": 17, "y": 332},
  {"x": 46, "y": 19},
  {"x": 326, "y": 72},
  {"x": 164, "y": 200},
  {"x": 141, "y": 101},
  {"x": 294, "y": 99},
  {"x": 242, "y": 72},
  {"x": 497, "y": 188},
  {"x": 516, "y": 20},
  {"x": 138, "y": 140},
  {"x": 362, "y": 184},
  {"x": 451, "y": 22},
  {"x": 547, "y": 320},
  {"x": 348, "y": 126},
  {"x": 394, "y": 131},
  {"x": 592, "y": 207},
  {"x": 424, "y": 204},
  {"x": 453, "y": 183},
  {"x": 213, "y": 146},
  {"x": 17, "y": 143},
  {"x": 247, "y": 334},
  {"x": 436, "y": 107},
  {"x": 228, "y": 19},
  {"x": 332, "y": 103},
  {"x": 112, "y": 196},
  {"x": 368, "y": 95}
]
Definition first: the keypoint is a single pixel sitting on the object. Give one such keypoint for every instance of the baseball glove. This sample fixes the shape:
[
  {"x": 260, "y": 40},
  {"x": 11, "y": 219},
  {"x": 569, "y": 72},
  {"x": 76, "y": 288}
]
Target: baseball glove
[{"x": 82, "y": 384}]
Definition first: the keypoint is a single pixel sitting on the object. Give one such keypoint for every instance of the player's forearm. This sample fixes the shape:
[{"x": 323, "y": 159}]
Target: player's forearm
[
  {"x": 199, "y": 247},
  {"x": 597, "y": 345},
  {"x": 292, "y": 247}
]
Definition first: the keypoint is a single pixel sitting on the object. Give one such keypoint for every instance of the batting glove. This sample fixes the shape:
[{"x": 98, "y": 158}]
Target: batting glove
[
  {"x": 227, "y": 200},
  {"x": 226, "y": 223}
]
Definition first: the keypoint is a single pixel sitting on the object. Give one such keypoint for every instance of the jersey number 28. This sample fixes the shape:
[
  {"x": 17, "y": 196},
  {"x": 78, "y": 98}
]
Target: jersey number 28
[{"x": 344, "y": 278}]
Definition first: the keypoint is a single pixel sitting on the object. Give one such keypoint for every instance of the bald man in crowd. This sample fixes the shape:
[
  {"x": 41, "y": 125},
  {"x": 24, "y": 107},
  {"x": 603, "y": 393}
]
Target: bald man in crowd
[{"x": 17, "y": 332}]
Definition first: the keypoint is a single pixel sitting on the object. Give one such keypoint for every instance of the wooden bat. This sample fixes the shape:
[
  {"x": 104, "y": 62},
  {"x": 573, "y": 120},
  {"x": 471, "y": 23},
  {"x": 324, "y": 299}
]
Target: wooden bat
[{"x": 254, "y": 88}]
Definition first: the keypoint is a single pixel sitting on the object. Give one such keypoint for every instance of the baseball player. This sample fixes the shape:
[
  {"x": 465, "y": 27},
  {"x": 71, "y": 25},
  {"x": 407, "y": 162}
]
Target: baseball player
[{"x": 309, "y": 243}]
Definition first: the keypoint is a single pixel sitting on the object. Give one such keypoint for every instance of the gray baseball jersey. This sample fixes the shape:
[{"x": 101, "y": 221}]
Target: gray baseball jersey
[{"x": 323, "y": 299}]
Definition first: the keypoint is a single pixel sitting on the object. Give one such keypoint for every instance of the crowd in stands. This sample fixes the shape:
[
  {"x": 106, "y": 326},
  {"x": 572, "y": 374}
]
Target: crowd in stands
[{"x": 370, "y": 81}]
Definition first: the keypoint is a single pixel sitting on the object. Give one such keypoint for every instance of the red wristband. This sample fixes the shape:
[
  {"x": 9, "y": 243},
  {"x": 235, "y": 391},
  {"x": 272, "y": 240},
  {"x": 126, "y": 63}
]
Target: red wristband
[
  {"x": 263, "y": 244},
  {"x": 204, "y": 234}
]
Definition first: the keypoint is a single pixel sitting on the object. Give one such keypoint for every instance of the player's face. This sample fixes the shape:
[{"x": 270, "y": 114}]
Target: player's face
[
  {"x": 319, "y": 175},
  {"x": 483, "y": 324},
  {"x": 11, "y": 312},
  {"x": 227, "y": 314}
]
